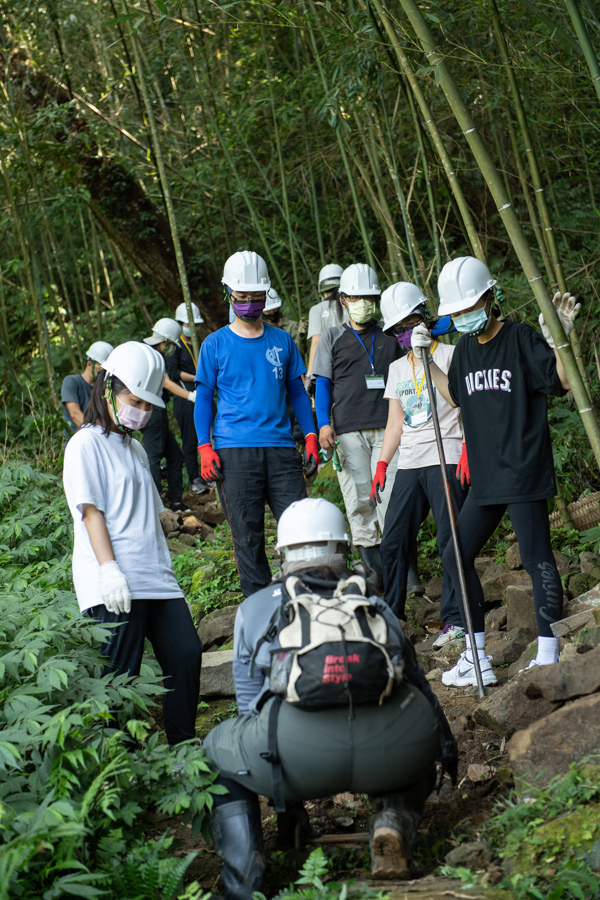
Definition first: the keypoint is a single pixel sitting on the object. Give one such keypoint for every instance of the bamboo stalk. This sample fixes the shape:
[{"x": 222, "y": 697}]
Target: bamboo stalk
[
  {"x": 166, "y": 189},
  {"x": 585, "y": 43},
  {"x": 509, "y": 219},
  {"x": 94, "y": 275}
]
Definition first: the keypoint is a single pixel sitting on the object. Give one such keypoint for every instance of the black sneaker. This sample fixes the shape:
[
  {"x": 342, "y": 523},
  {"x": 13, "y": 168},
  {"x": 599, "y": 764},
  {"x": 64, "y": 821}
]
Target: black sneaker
[{"x": 180, "y": 506}]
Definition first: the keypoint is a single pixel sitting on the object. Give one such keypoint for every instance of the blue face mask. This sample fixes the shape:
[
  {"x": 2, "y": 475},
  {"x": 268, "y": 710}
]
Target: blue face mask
[
  {"x": 473, "y": 322},
  {"x": 186, "y": 331}
]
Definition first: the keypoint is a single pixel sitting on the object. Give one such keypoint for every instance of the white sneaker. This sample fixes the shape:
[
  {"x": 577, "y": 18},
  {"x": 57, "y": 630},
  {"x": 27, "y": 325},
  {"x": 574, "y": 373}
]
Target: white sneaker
[
  {"x": 447, "y": 634},
  {"x": 463, "y": 672},
  {"x": 533, "y": 663}
]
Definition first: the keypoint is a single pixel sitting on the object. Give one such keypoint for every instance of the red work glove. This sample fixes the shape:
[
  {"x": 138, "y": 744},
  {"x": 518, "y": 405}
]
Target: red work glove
[
  {"x": 462, "y": 469},
  {"x": 312, "y": 455},
  {"x": 210, "y": 463},
  {"x": 378, "y": 483}
]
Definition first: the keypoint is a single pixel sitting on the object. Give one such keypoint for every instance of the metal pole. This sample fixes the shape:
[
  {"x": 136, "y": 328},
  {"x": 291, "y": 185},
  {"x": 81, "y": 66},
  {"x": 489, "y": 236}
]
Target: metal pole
[{"x": 452, "y": 517}]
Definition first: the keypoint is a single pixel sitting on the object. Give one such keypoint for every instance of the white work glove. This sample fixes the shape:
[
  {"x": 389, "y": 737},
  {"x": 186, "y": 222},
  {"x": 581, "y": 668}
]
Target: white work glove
[
  {"x": 567, "y": 310},
  {"x": 192, "y": 396},
  {"x": 421, "y": 340},
  {"x": 114, "y": 588}
]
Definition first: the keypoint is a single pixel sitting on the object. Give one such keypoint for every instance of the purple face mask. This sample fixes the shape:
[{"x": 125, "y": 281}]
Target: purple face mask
[
  {"x": 404, "y": 339},
  {"x": 249, "y": 311}
]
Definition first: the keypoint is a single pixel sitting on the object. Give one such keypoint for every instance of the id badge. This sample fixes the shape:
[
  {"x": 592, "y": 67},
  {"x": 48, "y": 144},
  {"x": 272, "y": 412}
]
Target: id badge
[{"x": 375, "y": 382}]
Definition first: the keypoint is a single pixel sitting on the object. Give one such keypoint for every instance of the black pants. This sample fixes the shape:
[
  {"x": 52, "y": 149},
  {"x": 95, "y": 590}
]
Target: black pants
[
  {"x": 169, "y": 627},
  {"x": 253, "y": 476},
  {"x": 476, "y": 524},
  {"x": 159, "y": 443},
  {"x": 183, "y": 411},
  {"x": 415, "y": 492}
]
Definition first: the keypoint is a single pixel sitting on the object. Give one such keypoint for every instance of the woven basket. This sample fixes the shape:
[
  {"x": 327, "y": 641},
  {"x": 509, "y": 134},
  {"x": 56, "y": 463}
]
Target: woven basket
[{"x": 584, "y": 513}]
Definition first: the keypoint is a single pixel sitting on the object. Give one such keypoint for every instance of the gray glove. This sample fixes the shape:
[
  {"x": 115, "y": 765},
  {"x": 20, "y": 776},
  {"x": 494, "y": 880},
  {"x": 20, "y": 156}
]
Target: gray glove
[
  {"x": 421, "y": 341},
  {"x": 114, "y": 588},
  {"x": 567, "y": 311}
]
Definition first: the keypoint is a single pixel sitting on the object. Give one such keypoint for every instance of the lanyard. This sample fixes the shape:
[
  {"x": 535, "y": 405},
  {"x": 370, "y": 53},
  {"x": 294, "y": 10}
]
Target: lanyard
[
  {"x": 371, "y": 355},
  {"x": 419, "y": 387},
  {"x": 189, "y": 350}
]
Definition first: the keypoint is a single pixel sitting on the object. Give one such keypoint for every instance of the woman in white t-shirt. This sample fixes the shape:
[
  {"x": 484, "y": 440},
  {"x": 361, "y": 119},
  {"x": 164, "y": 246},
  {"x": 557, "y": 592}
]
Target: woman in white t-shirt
[
  {"x": 418, "y": 485},
  {"x": 121, "y": 563}
]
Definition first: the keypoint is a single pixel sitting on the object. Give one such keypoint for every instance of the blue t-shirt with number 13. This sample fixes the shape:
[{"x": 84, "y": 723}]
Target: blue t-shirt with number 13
[{"x": 249, "y": 376}]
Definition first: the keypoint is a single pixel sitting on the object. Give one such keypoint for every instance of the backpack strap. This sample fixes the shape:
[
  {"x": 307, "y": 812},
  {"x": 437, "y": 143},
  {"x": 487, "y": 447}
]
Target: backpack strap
[
  {"x": 272, "y": 756},
  {"x": 350, "y": 585},
  {"x": 269, "y": 635}
]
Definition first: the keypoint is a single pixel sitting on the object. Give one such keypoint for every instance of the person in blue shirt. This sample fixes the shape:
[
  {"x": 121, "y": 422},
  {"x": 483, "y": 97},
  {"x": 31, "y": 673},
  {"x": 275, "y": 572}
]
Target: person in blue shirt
[{"x": 251, "y": 366}]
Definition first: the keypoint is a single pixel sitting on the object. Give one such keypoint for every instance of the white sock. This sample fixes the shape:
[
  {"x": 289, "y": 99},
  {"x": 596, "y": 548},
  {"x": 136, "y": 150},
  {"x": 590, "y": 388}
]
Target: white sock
[
  {"x": 479, "y": 643},
  {"x": 547, "y": 651}
]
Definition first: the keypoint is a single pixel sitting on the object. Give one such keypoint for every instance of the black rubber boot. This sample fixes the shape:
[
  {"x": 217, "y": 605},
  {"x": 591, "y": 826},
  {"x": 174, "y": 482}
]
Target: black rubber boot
[
  {"x": 394, "y": 827},
  {"x": 413, "y": 582},
  {"x": 371, "y": 560},
  {"x": 237, "y": 835},
  {"x": 293, "y": 828}
]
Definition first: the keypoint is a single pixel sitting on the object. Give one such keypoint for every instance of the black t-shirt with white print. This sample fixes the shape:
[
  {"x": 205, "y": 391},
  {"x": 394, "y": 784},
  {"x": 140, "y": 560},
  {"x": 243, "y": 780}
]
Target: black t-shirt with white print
[{"x": 501, "y": 388}]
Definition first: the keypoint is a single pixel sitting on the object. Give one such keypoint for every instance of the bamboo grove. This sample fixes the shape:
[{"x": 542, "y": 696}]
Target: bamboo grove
[{"x": 143, "y": 143}]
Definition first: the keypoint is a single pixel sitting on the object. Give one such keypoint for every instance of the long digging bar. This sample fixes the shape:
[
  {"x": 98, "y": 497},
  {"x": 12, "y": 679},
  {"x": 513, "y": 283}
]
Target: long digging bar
[{"x": 452, "y": 517}]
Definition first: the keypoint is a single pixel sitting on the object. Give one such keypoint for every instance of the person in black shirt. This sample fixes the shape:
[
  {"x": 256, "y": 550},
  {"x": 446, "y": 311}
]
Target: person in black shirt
[{"x": 500, "y": 376}]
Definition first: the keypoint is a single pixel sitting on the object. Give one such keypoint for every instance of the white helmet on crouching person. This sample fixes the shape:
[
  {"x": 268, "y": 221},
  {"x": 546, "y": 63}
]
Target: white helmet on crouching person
[
  {"x": 310, "y": 531},
  {"x": 329, "y": 277}
]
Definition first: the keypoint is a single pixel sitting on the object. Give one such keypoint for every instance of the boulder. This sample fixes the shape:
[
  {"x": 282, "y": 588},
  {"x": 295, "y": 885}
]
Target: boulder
[
  {"x": 587, "y": 639},
  {"x": 513, "y": 557},
  {"x": 508, "y": 709},
  {"x": 523, "y": 661},
  {"x": 566, "y": 680},
  {"x": 483, "y": 564},
  {"x": 568, "y": 626},
  {"x": 590, "y": 599},
  {"x": 520, "y": 609},
  {"x": 549, "y": 746},
  {"x": 216, "y": 676},
  {"x": 506, "y": 646},
  {"x": 496, "y": 619},
  {"x": 473, "y": 855},
  {"x": 207, "y": 533},
  {"x": 191, "y": 524},
  {"x": 175, "y": 547},
  {"x": 427, "y": 614},
  {"x": 217, "y": 628},
  {"x": 169, "y": 521},
  {"x": 212, "y": 515},
  {"x": 563, "y": 563},
  {"x": 187, "y": 539},
  {"x": 590, "y": 564},
  {"x": 433, "y": 588},
  {"x": 495, "y": 581}
]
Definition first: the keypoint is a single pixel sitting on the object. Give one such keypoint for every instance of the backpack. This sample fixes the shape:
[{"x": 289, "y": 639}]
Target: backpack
[{"x": 331, "y": 650}]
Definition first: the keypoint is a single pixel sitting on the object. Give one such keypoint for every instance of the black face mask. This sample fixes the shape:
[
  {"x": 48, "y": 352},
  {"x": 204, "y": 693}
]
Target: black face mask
[{"x": 271, "y": 319}]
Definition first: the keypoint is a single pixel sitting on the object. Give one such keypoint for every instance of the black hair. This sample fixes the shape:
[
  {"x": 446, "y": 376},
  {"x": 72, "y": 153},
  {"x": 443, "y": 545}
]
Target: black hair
[{"x": 97, "y": 411}]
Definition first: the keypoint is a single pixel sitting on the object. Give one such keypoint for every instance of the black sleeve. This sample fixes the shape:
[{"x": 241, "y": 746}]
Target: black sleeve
[
  {"x": 453, "y": 380},
  {"x": 539, "y": 362},
  {"x": 173, "y": 364}
]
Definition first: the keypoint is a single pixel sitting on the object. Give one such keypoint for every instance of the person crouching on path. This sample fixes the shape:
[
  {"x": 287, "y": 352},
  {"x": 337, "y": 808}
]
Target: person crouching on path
[
  {"x": 418, "y": 485},
  {"x": 386, "y": 748},
  {"x": 500, "y": 376},
  {"x": 252, "y": 366},
  {"x": 121, "y": 563}
]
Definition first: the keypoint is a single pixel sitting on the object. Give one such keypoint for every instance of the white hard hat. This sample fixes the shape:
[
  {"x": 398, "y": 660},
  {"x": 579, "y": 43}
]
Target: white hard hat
[
  {"x": 164, "y": 330},
  {"x": 359, "y": 280},
  {"x": 140, "y": 368},
  {"x": 273, "y": 300},
  {"x": 181, "y": 314},
  {"x": 399, "y": 301},
  {"x": 246, "y": 271},
  {"x": 329, "y": 277},
  {"x": 307, "y": 523},
  {"x": 461, "y": 283},
  {"x": 99, "y": 351}
]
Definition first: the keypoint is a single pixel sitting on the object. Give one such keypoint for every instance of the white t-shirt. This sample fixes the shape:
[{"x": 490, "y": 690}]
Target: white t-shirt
[
  {"x": 115, "y": 478},
  {"x": 417, "y": 445},
  {"x": 325, "y": 315}
]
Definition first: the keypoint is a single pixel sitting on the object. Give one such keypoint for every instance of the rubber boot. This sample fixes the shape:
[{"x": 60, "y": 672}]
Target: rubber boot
[
  {"x": 237, "y": 835},
  {"x": 371, "y": 560},
  {"x": 413, "y": 582},
  {"x": 293, "y": 827},
  {"x": 394, "y": 827}
]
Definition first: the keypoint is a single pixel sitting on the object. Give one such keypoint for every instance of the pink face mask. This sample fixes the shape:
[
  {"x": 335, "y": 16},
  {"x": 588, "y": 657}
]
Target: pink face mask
[{"x": 131, "y": 417}]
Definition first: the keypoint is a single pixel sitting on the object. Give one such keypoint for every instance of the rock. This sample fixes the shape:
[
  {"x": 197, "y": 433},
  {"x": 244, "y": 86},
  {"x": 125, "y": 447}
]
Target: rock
[
  {"x": 434, "y": 675},
  {"x": 428, "y": 614},
  {"x": 479, "y": 772},
  {"x": 202, "y": 574},
  {"x": 207, "y": 533},
  {"x": 496, "y": 619},
  {"x": 212, "y": 515},
  {"x": 495, "y": 581},
  {"x": 508, "y": 709},
  {"x": 585, "y": 619},
  {"x": 169, "y": 521},
  {"x": 587, "y": 639},
  {"x": 433, "y": 588},
  {"x": 187, "y": 539},
  {"x": 483, "y": 563},
  {"x": 191, "y": 524},
  {"x": 523, "y": 661},
  {"x": 217, "y": 628},
  {"x": 172, "y": 535},
  {"x": 506, "y": 646},
  {"x": 566, "y": 680},
  {"x": 584, "y": 591},
  {"x": 473, "y": 855},
  {"x": 569, "y": 651},
  {"x": 590, "y": 564},
  {"x": 520, "y": 609},
  {"x": 175, "y": 547},
  {"x": 216, "y": 676},
  {"x": 549, "y": 746},
  {"x": 563, "y": 563},
  {"x": 513, "y": 557}
]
